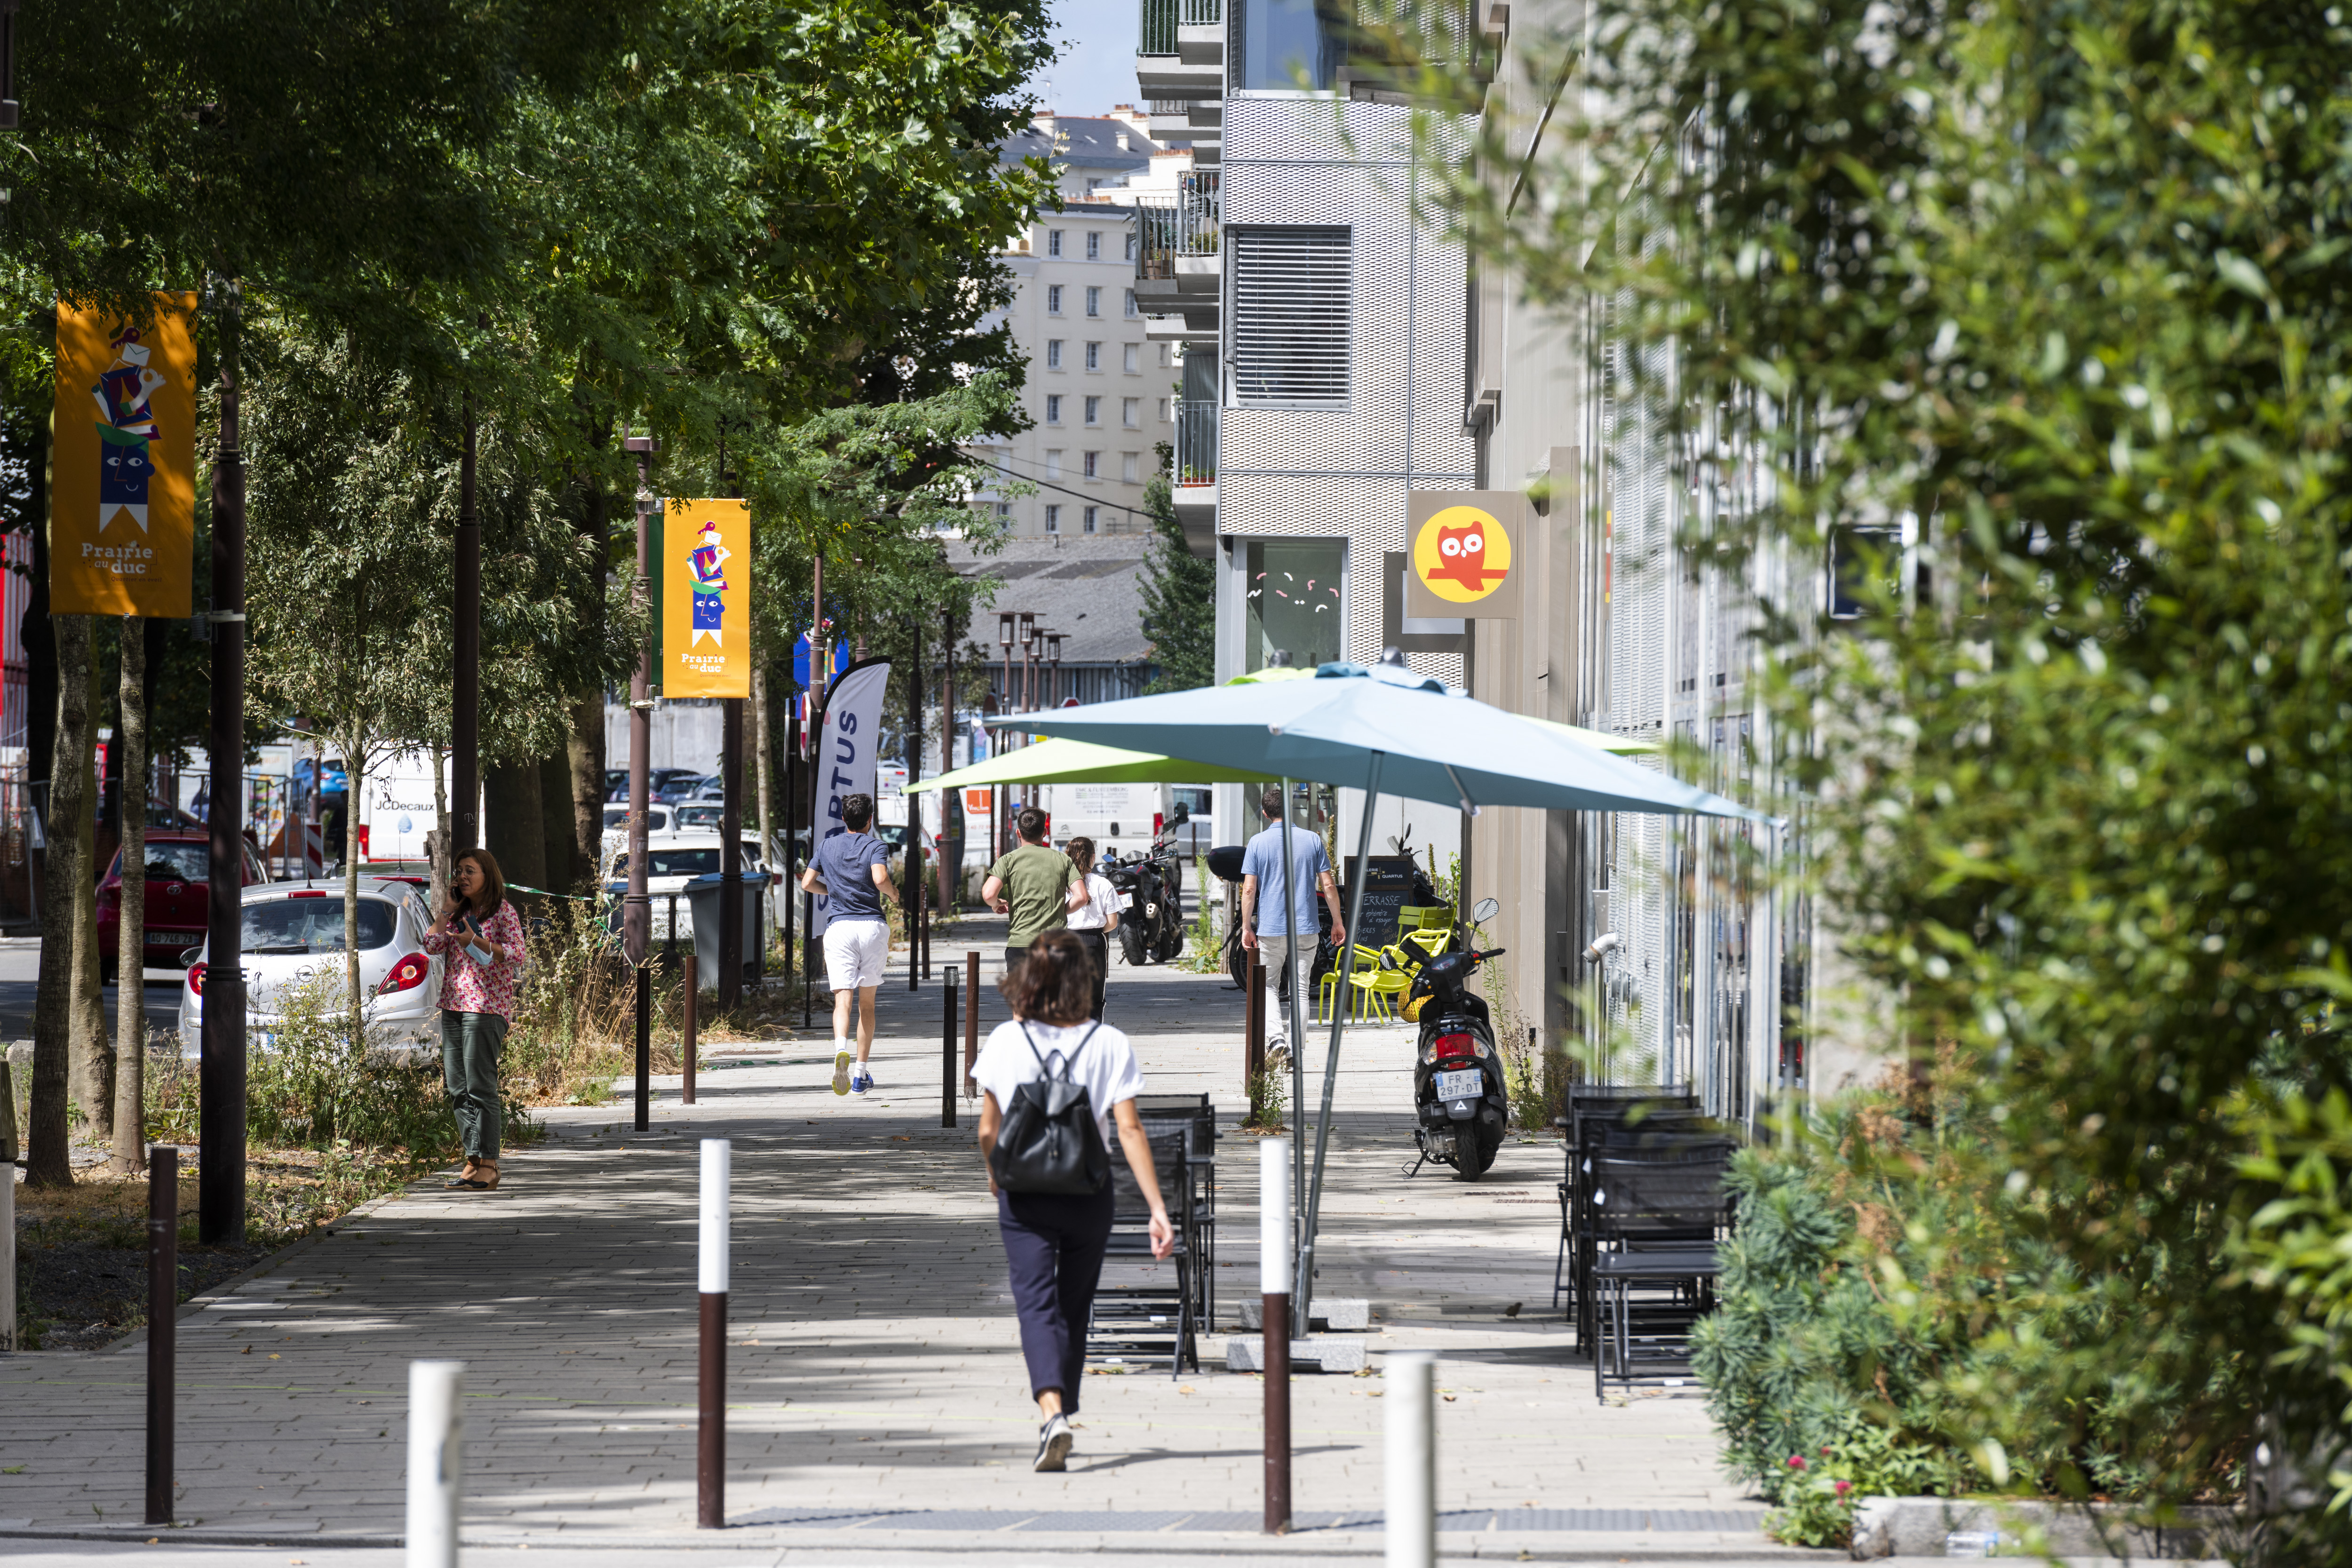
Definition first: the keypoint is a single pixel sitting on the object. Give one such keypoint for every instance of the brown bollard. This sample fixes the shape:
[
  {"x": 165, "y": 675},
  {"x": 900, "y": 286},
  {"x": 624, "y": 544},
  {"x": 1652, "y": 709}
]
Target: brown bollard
[
  {"x": 692, "y": 963},
  {"x": 163, "y": 1306},
  {"x": 971, "y": 1022},
  {"x": 947, "y": 1059}
]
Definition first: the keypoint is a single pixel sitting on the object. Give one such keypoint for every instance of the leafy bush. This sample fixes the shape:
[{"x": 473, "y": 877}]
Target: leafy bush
[{"x": 322, "y": 1084}]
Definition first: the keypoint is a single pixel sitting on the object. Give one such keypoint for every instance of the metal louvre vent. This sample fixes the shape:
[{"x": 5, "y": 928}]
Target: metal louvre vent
[{"x": 1293, "y": 325}]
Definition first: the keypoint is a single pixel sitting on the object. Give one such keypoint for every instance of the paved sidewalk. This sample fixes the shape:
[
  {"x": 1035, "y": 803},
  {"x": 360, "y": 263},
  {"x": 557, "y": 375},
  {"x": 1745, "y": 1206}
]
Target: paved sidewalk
[{"x": 877, "y": 1399}]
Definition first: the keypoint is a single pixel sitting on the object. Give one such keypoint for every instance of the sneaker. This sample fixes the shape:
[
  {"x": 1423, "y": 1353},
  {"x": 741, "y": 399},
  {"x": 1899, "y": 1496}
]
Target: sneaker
[
  {"x": 1053, "y": 1445},
  {"x": 861, "y": 1080},
  {"x": 841, "y": 1060}
]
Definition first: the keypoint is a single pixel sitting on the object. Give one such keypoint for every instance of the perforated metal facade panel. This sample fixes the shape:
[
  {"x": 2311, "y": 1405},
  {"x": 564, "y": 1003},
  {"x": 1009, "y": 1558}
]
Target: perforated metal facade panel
[{"x": 1344, "y": 472}]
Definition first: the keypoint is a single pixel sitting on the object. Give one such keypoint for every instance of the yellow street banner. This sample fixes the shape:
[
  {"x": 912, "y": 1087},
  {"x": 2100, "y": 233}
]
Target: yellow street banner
[
  {"x": 1465, "y": 547},
  {"x": 122, "y": 492},
  {"x": 705, "y": 576}
]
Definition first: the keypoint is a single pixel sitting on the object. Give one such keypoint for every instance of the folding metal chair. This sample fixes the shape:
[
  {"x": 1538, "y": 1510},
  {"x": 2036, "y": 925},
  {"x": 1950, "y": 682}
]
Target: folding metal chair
[{"x": 1657, "y": 1224}]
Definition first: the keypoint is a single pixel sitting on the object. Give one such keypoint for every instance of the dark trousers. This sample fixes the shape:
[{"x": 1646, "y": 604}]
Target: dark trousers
[
  {"x": 469, "y": 1070},
  {"x": 1055, "y": 1244},
  {"x": 1098, "y": 948},
  {"x": 1014, "y": 957}
]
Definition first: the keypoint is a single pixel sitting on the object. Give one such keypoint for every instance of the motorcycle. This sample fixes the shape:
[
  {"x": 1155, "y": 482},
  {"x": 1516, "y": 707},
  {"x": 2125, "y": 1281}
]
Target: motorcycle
[
  {"x": 1151, "y": 888},
  {"x": 1460, "y": 1102}
]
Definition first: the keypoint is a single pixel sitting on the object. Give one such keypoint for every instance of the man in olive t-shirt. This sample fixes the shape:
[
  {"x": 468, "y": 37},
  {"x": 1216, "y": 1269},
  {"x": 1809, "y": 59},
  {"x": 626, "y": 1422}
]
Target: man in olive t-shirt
[{"x": 1036, "y": 886}]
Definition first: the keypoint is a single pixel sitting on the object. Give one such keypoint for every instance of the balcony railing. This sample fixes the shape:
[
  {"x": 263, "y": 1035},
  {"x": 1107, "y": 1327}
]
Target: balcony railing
[
  {"x": 1184, "y": 224},
  {"x": 1196, "y": 442},
  {"x": 1163, "y": 18}
]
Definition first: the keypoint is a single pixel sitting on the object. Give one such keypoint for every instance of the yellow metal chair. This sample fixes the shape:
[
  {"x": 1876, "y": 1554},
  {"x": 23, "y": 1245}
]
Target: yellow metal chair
[
  {"x": 1326, "y": 990},
  {"x": 1389, "y": 976},
  {"x": 1426, "y": 917},
  {"x": 1426, "y": 943}
]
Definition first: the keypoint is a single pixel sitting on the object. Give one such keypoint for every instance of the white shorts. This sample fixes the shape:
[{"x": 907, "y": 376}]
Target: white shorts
[{"x": 855, "y": 952}]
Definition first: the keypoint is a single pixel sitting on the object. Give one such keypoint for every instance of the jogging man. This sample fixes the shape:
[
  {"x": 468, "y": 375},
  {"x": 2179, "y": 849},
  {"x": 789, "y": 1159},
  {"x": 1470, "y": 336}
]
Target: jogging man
[
  {"x": 851, "y": 868},
  {"x": 1035, "y": 886},
  {"x": 1289, "y": 943}
]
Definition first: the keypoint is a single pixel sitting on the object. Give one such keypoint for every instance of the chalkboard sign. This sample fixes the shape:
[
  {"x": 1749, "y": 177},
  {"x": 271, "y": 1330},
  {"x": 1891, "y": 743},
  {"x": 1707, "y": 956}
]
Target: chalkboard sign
[{"x": 1388, "y": 889}]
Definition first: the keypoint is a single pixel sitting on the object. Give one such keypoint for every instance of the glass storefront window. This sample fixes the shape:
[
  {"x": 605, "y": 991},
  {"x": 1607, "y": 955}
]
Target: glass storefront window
[{"x": 1294, "y": 602}]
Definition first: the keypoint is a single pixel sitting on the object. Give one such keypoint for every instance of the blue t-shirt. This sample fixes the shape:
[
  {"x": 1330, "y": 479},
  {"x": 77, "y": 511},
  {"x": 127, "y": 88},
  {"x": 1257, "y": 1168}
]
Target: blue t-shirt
[
  {"x": 1263, "y": 859},
  {"x": 842, "y": 863}
]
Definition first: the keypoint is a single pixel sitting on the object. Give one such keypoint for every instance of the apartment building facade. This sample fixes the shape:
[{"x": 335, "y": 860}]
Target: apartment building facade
[{"x": 1339, "y": 355}]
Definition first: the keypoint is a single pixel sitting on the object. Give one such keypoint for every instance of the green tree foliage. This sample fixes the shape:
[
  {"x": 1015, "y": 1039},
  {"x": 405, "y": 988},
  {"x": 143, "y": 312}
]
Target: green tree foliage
[
  {"x": 2062, "y": 291},
  {"x": 1179, "y": 599}
]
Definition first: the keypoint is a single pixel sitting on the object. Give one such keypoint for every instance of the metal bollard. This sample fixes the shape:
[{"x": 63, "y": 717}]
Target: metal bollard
[
  {"x": 645, "y": 1116},
  {"x": 8, "y": 1248},
  {"x": 687, "y": 1095},
  {"x": 971, "y": 1022},
  {"x": 163, "y": 1310},
  {"x": 436, "y": 1453},
  {"x": 710, "y": 1444},
  {"x": 947, "y": 1059},
  {"x": 1411, "y": 1518},
  {"x": 1274, "y": 1266}
]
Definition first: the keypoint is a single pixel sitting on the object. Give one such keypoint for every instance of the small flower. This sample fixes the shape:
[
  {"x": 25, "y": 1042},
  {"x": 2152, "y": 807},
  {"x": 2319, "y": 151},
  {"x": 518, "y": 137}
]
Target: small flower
[
  {"x": 1796, "y": 1461},
  {"x": 1825, "y": 1450},
  {"x": 1843, "y": 1488}
]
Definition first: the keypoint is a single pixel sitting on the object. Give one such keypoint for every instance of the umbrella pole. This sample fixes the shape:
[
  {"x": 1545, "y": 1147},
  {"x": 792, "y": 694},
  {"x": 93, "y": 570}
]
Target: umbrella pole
[
  {"x": 1297, "y": 1041},
  {"x": 1306, "y": 1286}
]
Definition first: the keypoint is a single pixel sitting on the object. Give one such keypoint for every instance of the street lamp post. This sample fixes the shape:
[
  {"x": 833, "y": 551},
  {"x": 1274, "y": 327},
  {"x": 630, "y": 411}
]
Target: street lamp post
[
  {"x": 220, "y": 1095},
  {"x": 1053, "y": 668},
  {"x": 637, "y": 904},
  {"x": 466, "y": 706}
]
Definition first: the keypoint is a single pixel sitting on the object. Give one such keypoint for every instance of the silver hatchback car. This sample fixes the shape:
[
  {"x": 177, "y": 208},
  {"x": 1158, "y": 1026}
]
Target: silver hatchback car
[{"x": 289, "y": 928}]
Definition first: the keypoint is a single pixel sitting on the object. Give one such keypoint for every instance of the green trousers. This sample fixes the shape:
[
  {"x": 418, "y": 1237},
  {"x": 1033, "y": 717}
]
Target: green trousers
[{"x": 470, "y": 1068}]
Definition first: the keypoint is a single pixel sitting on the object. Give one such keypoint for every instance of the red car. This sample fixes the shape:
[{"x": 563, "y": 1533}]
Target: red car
[{"x": 178, "y": 885}]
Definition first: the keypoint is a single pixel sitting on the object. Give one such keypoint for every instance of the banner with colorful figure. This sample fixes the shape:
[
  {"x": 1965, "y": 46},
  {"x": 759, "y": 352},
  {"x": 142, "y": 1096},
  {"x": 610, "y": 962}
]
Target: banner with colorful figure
[
  {"x": 122, "y": 492},
  {"x": 705, "y": 598}
]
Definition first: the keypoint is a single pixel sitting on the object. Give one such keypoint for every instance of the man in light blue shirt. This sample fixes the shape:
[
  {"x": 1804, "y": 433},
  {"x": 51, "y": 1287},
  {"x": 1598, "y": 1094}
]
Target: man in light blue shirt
[{"x": 1290, "y": 944}]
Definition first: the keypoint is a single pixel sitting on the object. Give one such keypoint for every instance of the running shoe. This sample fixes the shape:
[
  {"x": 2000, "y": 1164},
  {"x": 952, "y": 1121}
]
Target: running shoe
[
  {"x": 841, "y": 1060},
  {"x": 861, "y": 1080},
  {"x": 1053, "y": 1445}
]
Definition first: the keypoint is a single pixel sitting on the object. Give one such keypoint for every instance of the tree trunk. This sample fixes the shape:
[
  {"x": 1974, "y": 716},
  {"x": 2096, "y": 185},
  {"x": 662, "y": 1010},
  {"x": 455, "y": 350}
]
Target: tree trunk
[
  {"x": 763, "y": 747},
  {"x": 511, "y": 830},
  {"x": 436, "y": 890},
  {"x": 556, "y": 822},
  {"x": 584, "y": 750},
  {"x": 47, "y": 1161},
  {"x": 355, "y": 761},
  {"x": 130, "y": 955},
  {"x": 93, "y": 1047}
]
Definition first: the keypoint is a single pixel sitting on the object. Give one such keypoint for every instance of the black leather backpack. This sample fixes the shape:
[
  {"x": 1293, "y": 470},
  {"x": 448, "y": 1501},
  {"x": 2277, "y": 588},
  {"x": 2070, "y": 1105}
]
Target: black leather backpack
[{"x": 1049, "y": 1140}]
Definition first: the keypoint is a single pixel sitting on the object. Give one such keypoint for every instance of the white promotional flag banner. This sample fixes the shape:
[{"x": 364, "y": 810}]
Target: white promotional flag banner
[{"x": 848, "y": 750}]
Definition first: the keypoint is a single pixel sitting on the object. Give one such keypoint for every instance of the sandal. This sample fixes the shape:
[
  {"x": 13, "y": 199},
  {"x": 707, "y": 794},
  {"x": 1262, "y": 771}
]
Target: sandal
[
  {"x": 465, "y": 1177},
  {"x": 486, "y": 1177}
]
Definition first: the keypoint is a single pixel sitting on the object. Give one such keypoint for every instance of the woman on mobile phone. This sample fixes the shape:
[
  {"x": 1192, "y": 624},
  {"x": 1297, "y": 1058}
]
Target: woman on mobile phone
[{"x": 479, "y": 936}]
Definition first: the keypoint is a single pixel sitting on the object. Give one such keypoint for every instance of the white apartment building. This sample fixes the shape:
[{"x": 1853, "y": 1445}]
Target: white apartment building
[
  {"x": 1099, "y": 393},
  {"x": 1339, "y": 355}
]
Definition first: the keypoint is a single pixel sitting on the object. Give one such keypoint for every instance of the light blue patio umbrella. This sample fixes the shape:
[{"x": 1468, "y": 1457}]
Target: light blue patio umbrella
[{"x": 1385, "y": 728}]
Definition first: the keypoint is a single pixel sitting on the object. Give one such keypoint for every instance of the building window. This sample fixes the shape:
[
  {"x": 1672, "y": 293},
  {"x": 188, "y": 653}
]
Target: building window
[
  {"x": 1052, "y": 408},
  {"x": 1167, "y": 356},
  {"x": 1094, "y": 248},
  {"x": 1053, "y": 463},
  {"x": 1091, "y": 512},
  {"x": 1131, "y": 359},
  {"x": 1053, "y": 353},
  {"x": 1003, "y": 509},
  {"x": 1094, "y": 463},
  {"x": 1094, "y": 410},
  {"x": 1053, "y": 298},
  {"x": 1094, "y": 301},
  {"x": 1093, "y": 356},
  {"x": 1130, "y": 412},
  {"x": 1292, "y": 316},
  {"x": 1293, "y": 602},
  {"x": 1130, "y": 247},
  {"x": 1053, "y": 520},
  {"x": 1131, "y": 305},
  {"x": 1163, "y": 411},
  {"x": 1128, "y": 463},
  {"x": 1053, "y": 242}
]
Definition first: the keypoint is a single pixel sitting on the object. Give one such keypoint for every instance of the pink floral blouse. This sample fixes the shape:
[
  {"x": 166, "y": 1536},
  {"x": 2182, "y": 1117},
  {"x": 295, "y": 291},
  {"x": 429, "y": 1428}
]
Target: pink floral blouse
[{"x": 470, "y": 987}]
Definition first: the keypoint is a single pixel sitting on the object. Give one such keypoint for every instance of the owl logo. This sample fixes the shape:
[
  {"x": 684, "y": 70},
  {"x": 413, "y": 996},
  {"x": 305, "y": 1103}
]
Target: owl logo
[{"x": 1461, "y": 555}]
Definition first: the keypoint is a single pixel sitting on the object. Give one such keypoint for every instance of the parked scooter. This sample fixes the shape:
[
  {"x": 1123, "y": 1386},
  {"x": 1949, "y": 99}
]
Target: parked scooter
[
  {"x": 1460, "y": 1102},
  {"x": 1152, "y": 898}
]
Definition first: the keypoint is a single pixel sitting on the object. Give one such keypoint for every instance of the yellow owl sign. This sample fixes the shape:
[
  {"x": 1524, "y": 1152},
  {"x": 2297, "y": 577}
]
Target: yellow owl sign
[
  {"x": 1464, "y": 550},
  {"x": 122, "y": 498}
]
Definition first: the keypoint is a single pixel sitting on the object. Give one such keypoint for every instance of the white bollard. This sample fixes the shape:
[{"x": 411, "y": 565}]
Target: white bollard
[
  {"x": 1412, "y": 1401},
  {"x": 1273, "y": 1255},
  {"x": 1273, "y": 1267},
  {"x": 718, "y": 1161},
  {"x": 437, "y": 1452}
]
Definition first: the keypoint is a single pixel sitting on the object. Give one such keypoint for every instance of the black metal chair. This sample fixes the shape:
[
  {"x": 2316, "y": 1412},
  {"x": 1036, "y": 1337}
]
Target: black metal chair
[
  {"x": 1198, "y": 1115},
  {"x": 1590, "y": 1104},
  {"x": 1159, "y": 1316},
  {"x": 1656, "y": 1223}
]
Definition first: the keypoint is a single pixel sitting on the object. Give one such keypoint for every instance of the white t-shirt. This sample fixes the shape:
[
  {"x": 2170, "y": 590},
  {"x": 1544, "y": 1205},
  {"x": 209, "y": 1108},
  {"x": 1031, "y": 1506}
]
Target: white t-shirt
[
  {"x": 1106, "y": 1069},
  {"x": 1102, "y": 902}
]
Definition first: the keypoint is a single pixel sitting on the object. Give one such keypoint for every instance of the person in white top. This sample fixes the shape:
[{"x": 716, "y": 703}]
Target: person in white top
[
  {"x": 1054, "y": 1242},
  {"x": 1097, "y": 918}
]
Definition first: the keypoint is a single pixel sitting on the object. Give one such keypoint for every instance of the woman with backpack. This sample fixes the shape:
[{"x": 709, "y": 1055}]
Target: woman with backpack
[
  {"x": 1048, "y": 1160},
  {"x": 479, "y": 938}
]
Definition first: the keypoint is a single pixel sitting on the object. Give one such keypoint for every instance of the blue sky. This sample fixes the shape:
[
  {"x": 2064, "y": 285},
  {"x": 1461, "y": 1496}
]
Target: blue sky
[{"x": 1095, "y": 68}]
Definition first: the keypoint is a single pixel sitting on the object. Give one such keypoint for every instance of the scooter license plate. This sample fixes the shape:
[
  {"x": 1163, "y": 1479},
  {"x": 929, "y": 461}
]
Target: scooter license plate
[{"x": 1469, "y": 1085}]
